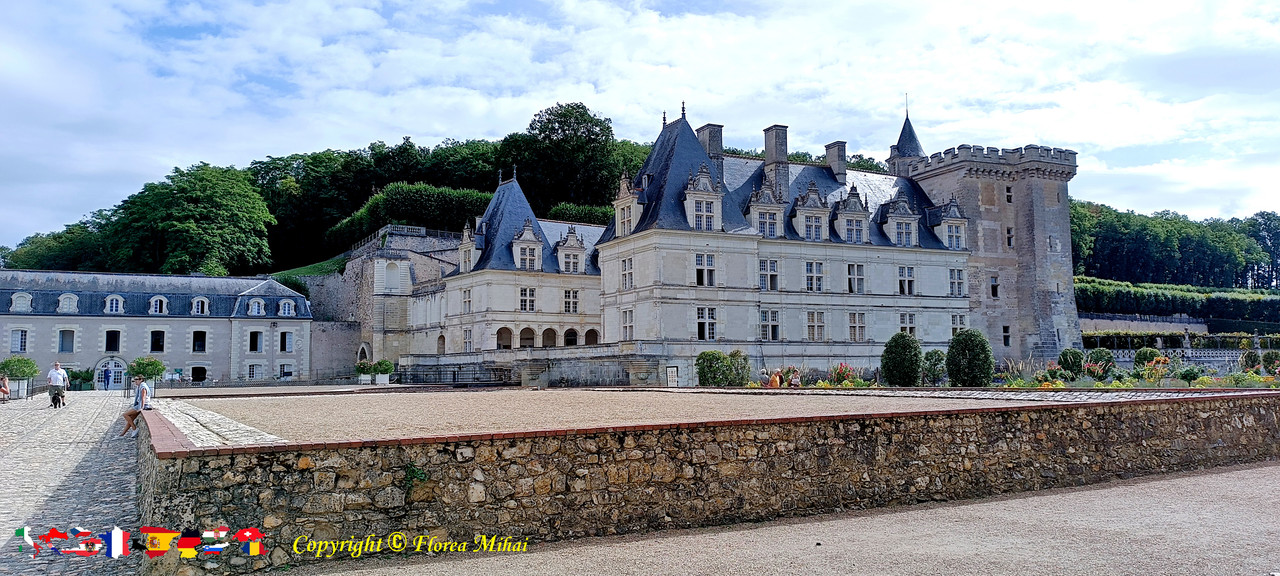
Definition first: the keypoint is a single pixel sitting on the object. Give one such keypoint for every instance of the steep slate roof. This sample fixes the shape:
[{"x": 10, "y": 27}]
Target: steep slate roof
[
  {"x": 228, "y": 296},
  {"x": 908, "y": 144},
  {"x": 677, "y": 154},
  {"x": 504, "y": 219}
]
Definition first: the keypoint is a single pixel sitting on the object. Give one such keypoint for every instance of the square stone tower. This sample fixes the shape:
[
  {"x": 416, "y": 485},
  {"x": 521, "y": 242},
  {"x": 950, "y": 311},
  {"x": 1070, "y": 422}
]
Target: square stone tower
[{"x": 1020, "y": 272}]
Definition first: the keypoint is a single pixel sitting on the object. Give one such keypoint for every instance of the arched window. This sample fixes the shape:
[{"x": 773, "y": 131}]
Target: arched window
[
  {"x": 440, "y": 345},
  {"x": 548, "y": 338},
  {"x": 115, "y": 304},
  {"x": 571, "y": 337},
  {"x": 68, "y": 304},
  {"x": 526, "y": 338},
  {"x": 504, "y": 338},
  {"x": 592, "y": 337},
  {"x": 199, "y": 306},
  {"x": 257, "y": 307},
  {"x": 393, "y": 277},
  {"x": 20, "y": 302},
  {"x": 159, "y": 305},
  {"x": 287, "y": 308}
]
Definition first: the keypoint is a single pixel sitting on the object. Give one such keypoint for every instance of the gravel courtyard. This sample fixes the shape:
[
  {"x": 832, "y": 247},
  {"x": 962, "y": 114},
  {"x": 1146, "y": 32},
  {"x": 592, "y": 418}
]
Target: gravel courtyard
[{"x": 374, "y": 416}]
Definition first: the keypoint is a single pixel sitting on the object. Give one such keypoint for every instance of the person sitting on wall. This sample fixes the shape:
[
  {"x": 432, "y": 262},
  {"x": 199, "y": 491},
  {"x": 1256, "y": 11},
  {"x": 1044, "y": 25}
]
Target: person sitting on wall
[
  {"x": 4, "y": 388},
  {"x": 141, "y": 401}
]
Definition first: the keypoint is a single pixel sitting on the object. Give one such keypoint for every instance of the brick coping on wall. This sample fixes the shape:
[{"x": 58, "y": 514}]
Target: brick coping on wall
[{"x": 167, "y": 442}]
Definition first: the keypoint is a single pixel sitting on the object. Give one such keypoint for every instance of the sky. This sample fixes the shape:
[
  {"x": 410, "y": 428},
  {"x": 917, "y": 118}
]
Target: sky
[{"x": 1171, "y": 106}]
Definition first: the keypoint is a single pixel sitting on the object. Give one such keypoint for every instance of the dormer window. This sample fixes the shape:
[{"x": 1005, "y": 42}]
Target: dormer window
[
  {"x": 767, "y": 224},
  {"x": 955, "y": 236},
  {"x": 704, "y": 215},
  {"x": 903, "y": 233},
  {"x": 813, "y": 228},
  {"x": 528, "y": 258},
  {"x": 20, "y": 302},
  {"x": 624, "y": 220},
  {"x": 257, "y": 307},
  {"x": 854, "y": 230},
  {"x": 701, "y": 197},
  {"x": 287, "y": 308},
  {"x": 199, "y": 306},
  {"x": 572, "y": 264},
  {"x": 811, "y": 213},
  {"x": 526, "y": 249},
  {"x": 68, "y": 304},
  {"x": 114, "y": 305},
  {"x": 159, "y": 305}
]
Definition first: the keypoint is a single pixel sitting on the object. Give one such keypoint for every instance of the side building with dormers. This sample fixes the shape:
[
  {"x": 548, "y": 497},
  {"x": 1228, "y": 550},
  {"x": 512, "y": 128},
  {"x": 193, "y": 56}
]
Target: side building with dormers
[{"x": 202, "y": 328}]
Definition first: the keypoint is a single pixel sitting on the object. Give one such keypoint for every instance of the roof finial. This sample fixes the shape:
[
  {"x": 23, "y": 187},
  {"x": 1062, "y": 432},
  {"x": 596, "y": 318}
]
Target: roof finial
[
  {"x": 499, "y": 176},
  {"x": 682, "y": 109},
  {"x": 906, "y": 104},
  {"x": 513, "y": 171},
  {"x": 664, "y": 118}
]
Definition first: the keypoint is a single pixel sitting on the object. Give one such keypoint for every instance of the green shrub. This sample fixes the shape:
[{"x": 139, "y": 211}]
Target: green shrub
[
  {"x": 1271, "y": 361},
  {"x": 714, "y": 368},
  {"x": 412, "y": 204},
  {"x": 1249, "y": 360},
  {"x": 19, "y": 368},
  {"x": 1072, "y": 360},
  {"x": 598, "y": 215},
  {"x": 383, "y": 366},
  {"x": 147, "y": 367},
  {"x": 1144, "y": 356},
  {"x": 1101, "y": 356},
  {"x": 1190, "y": 374},
  {"x": 935, "y": 367},
  {"x": 900, "y": 362},
  {"x": 739, "y": 368},
  {"x": 969, "y": 360}
]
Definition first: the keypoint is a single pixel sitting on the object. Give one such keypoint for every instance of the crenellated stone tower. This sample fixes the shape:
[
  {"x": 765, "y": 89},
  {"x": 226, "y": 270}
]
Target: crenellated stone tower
[{"x": 1020, "y": 273}]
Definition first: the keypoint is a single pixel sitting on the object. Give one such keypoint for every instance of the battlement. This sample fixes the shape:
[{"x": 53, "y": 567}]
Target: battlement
[{"x": 1008, "y": 156}]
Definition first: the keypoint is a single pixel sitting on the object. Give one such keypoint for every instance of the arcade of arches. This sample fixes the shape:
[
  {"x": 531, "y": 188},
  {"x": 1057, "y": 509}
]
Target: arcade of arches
[{"x": 508, "y": 339}]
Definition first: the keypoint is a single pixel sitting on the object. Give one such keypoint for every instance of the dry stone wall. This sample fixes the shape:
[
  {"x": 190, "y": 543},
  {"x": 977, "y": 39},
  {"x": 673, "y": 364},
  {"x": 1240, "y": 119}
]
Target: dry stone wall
[{"x": 555, "y": 485}]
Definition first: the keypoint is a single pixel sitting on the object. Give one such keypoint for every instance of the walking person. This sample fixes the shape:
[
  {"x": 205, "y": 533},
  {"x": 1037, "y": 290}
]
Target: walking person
[
  {"x": 141, "y": 401},
  {"x": 106, "y": 378},
  {"x": 57, "y": 378}
]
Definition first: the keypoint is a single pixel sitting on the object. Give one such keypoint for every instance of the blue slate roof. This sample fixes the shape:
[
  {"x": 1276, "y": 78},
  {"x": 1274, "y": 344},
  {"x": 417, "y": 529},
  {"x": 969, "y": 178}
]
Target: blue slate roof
[
  {"x": 676, "y": 156},
  {"x": 228, "y": 296},
  {"x": 504, "y": 219},
  {"x": 908, "y": 144}
]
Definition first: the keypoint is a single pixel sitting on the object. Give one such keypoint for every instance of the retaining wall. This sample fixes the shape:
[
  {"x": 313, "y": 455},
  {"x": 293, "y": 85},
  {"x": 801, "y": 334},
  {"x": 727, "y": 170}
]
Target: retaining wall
[{"x": 560, "y": 484}]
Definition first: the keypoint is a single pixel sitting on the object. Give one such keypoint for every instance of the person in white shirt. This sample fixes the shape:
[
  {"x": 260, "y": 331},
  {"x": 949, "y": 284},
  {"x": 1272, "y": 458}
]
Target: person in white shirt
[{"x": 57, "y": 385}]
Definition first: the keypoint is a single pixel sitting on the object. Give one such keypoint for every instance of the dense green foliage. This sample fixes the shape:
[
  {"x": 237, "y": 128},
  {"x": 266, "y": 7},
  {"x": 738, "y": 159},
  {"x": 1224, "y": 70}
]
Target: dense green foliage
[
  {"x": 1144, "y": 356},
  {"x": 1072, "y": 360},
  {"x": 598, "y": 215},
  {"x": 413, "y": 205},
  {"x": 1112, "y": 297},
  {"x": 901, "y": 361},
  {"x": 1250, "y": 359},
  {"x": 934, "y": 368},
  {"x": 148, "y": 367},
  {"x": 1168, "y": 247},
  {"x": 739, "y": 368},
  {"x": 970, "y": 363},
  {"x": 19, "y": 368},
  {"x": 713, "y": 368}
]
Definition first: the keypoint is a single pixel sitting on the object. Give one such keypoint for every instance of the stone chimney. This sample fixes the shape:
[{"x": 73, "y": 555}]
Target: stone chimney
[
  {"x": 836, "y": 160},
  {"x": 712, "y": 138},
  {"x": 775, "y": 158}
]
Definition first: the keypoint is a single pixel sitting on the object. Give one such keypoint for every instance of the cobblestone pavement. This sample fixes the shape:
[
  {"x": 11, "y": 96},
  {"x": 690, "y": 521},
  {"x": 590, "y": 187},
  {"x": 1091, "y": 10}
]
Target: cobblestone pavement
[
  {"x": 64, "y": 468},
  {"x": 205, "y": 428}
]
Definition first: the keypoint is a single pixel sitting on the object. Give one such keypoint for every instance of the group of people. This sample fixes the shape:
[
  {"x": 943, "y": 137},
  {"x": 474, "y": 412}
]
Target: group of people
[{"x": 776, "y": 380}]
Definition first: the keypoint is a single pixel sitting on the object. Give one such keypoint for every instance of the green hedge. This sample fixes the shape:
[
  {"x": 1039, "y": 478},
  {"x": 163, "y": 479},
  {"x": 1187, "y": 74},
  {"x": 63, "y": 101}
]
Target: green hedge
[
  {"x": 431, "y": 207},
  {"x": 598, "y": 215},
  {"x": 1111, "y": 297}
]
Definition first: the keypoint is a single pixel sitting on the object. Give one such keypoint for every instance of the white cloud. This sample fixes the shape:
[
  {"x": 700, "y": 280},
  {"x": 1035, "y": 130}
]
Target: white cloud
[{"x": 101, "y": 98}]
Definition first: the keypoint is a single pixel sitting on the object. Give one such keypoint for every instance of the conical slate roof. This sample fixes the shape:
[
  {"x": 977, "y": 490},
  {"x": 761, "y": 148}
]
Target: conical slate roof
[
  {"x": 908, "y": 144},
  {"x": 502, "y": 222}
]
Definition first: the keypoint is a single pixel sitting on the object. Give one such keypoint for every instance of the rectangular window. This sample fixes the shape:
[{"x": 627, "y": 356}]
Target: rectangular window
[
  {"x": 957, "y": 323},
  {"x": 628, "y": 281},
  {"x": 706, "y": 323},
  {"x": 113, "y": 305},
  {"x": 956, "y": 282},
  {"x": 769, "y": 327},
  {"x": 813, "y": 228},
  {"x": 157, "y": 341},
  {"x": 704, "y": 269},
  {"x": 703, "y": 217},
  {"x": 18, "y": 341},
  {"x": 628, "y": 324},
  {"x": 906, "y": 280},
  {"x": 995, "y": 286},
  {"x": 853, "y": 230},
  {"x": 113, "y": 341},
  {"x": 815, "y": 326},
  {"x": 66, "y": 341},
  {"x": 527, "y": 299},
  {"x": 768, "y": 274},
  {"x": 903, "y": 233},
  {"x": 955, "y": 236},
  {"x": 571, "y": 263},
  {"x": 571, "y": 301},
  {"x": 624, "y": 221},
  {"x": 857, "y": 281},
  {"x": 528, "y": 258},
  {"x": 907, "y": 323},
  {"x": 198, "y": 339},
  {"x": 1008, "y": 237},
  {"x": 1008, "y": 194},
  {"x": 1008, "y": 338},
  {"x": 466, "y": 301},
  {"x": 813, "y": 276},
  {"x": 286, "y": 342},
  {"x": 255, "y": 341},
  {"x": 467, "y": 345},
  {"x": 286, "y": 371},
  {"x": 857, "y": 327},
  {"x": 767, "y": 223},
  {"x": 255, "y": 371}
]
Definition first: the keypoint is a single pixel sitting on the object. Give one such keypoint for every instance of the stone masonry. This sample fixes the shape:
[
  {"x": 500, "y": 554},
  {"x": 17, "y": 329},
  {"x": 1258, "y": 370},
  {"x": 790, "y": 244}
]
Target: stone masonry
[{"x": 561, "y": 484}]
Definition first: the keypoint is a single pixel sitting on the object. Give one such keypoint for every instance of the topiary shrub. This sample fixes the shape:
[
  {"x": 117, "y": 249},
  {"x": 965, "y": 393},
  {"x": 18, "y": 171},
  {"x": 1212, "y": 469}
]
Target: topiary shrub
[
  {"x": 739, "y": 368},
  {"x": 1271, "y": 361},
  {"x": 934, "y": 370},
  {"x": 1144, "y": 356},
  {"x": 19, "y": 368},
  {"x": 901, "y": 360},
  {"x": 713, "y": 368},
  {"x": 383, "y": 366},
  {"x": 969, "y": 360},
  {"x": 1072, "y": 360}
]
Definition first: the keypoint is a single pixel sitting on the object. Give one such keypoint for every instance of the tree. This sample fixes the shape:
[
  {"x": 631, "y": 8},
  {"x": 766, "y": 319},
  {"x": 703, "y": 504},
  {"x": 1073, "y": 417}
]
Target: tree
[
  {"x": 714, "y": 368},
  {"x": 472, "y": 164},
  {"x": 935, "y": 367},
  {"x": 147, "y": 368},
  {"x": 901, "y": 360},
  {"x": 19, "y": 368},
  {"x": 566, "y": 155},
  {"x": 202, "y": 219},
  {"x": 969, "y": 360},
  {"x": 80, "y": 246}
]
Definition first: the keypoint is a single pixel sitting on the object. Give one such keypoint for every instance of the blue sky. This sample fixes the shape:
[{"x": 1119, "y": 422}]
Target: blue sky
[{"x": 1174, "y": 107}]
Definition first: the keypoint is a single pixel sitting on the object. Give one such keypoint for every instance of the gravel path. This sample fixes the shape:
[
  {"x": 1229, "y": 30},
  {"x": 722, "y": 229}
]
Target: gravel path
[
  {"x": 1221, "y": 521},
  {"x": 372, "y": 416},
  {"x": 63, "y": 468}
]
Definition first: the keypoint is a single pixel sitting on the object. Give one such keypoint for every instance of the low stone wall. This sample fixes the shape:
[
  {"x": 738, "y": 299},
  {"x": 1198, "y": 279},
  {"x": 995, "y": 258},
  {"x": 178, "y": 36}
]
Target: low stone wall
[{"x": 559, "y": 484}]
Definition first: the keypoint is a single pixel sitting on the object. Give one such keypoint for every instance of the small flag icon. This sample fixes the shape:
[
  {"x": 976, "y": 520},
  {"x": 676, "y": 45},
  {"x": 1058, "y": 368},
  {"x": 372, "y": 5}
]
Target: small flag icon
[
  {"x": 158, "y": 540},
  {"x": 25, "y": 534},
  {"x": 116, "y": 542},
  {"x": 188, "y": 542}
]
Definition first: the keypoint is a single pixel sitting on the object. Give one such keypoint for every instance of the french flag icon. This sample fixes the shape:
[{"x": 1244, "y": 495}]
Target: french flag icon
[{"x": 115, "y": 542}]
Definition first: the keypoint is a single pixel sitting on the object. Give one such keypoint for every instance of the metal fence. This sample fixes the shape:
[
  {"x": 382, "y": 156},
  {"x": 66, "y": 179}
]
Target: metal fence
[{"x": 461, "y": 376}]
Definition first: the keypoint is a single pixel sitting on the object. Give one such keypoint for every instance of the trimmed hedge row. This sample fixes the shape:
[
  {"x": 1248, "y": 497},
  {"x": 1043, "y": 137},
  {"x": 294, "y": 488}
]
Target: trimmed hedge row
[
  {"x": 1109, "y": 297},
  {"x": 431, "y": 207},
  {"x": 598, "y": 215}
]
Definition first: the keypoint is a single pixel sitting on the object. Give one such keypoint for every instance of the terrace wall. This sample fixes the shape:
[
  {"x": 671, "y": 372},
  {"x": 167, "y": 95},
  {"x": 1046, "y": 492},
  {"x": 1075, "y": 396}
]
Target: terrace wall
[{"x": 560, "y": 484}]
